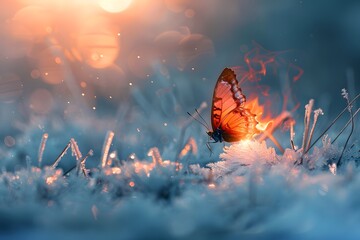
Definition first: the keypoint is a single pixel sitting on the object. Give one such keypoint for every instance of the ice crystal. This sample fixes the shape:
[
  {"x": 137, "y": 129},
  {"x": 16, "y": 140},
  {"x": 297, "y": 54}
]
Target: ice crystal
[{"x": 239, "y": 156}]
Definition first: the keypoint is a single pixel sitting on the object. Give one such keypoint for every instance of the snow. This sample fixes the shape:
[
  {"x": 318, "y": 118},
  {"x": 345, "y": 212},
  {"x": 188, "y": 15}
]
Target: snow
[{"x": 253, "y": 193}]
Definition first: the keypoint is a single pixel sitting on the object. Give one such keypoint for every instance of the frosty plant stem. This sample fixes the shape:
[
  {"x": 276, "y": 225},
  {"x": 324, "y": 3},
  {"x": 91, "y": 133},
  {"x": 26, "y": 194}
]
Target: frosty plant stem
[
  {"x": 308, "y": 134},
  {"x": 76, "y": 151},
  {"x": 189, "y": 146},
  {"x": 345, "y": 94},
  {"x": 347, "y": 124},
  {"x": 308, "y": 109},
  {"x": 317, "y": 112},
  {"x": 155, "y": 154},
  {"x": 82, "y": 162},
  {"x": 42, "y": 148},
  {"x": 58, "y": 159},
  {"x": 332, "y": 123},
  {"x": 106, "y": 147},
  {"x": 292, "y": 135}
]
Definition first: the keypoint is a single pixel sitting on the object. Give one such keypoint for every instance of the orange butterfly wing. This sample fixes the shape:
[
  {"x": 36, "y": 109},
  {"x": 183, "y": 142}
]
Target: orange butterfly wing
[{"x": 228, "y": 111}]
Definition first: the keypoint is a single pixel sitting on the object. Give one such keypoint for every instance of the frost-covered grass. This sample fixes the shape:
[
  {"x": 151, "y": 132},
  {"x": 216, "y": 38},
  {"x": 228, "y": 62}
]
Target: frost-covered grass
[{"x": 253, "y": 192}]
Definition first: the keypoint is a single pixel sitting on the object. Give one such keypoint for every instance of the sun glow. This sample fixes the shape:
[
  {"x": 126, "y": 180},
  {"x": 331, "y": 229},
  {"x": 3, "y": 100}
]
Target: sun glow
[{"x": 114, "y": 6}]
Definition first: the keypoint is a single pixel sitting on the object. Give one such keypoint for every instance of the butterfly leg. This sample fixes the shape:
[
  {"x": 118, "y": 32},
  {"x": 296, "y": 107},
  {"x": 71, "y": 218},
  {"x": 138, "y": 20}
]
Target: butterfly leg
[{"x": 208, "y": 145}]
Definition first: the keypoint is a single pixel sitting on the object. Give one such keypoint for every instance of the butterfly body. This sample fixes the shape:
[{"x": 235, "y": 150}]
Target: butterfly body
[
  {"x": 230, "y": 119},
  {"x": 216, "y": 135}
]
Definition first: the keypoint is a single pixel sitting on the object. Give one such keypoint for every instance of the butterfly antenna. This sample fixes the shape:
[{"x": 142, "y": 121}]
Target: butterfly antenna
[
  {"x": 198, "y": 121},
  {"x": 202, "y": 118}
]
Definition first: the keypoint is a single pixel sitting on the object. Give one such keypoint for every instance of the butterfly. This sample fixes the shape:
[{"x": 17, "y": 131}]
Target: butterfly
[{"x": 231, "y": 121}]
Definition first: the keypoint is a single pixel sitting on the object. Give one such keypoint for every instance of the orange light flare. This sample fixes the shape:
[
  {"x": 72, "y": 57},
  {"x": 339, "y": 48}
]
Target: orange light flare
[{"x": 268, "y": 124}]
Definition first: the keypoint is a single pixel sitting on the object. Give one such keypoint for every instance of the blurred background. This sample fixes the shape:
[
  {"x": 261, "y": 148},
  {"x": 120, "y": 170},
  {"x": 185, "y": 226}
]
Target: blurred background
[{"x": 78, "y": 68}]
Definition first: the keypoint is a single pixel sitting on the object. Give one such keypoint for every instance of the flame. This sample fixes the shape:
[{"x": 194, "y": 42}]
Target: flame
[{"x": 257, "y": 109}]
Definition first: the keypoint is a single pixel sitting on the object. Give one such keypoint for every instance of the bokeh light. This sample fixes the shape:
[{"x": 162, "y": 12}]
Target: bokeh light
[
  {"x": 50, "y": 65},
  {"x": 41, "y": 101},
  {"x": 31, "y": 23},
  {"x": 99, "y": 50},
  {"x": 9, "y": 141}
]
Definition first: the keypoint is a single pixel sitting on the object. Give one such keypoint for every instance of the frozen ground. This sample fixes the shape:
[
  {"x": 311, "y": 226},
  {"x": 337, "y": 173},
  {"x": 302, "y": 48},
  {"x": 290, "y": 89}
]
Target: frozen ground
[{"x": 253, "y": 193}]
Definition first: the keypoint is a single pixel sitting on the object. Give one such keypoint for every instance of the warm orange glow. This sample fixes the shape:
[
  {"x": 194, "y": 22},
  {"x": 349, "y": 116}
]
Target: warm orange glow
[
  {"x": 114, "y": 6},
  {"x": 31, "y": 23},
  {"x": 257, "y": 109},
  {"x": 131, "y": 184},
  {"x": 175, "y": 5},
  {"x": 96, "y": 44}
]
